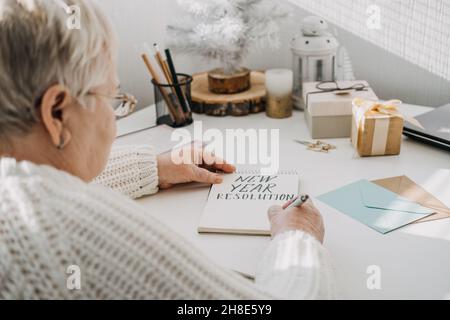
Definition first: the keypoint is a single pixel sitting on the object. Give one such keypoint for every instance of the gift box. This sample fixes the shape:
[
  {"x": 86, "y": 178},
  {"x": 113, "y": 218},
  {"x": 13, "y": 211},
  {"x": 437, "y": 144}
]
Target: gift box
[
  {"x": 377, "y": 128},
  {"x": 328, "y": 106}
]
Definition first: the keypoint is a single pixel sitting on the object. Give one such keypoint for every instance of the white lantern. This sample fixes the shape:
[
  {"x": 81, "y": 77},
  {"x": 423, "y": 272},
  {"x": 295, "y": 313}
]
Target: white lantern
[{"x": 314, "y": 52}]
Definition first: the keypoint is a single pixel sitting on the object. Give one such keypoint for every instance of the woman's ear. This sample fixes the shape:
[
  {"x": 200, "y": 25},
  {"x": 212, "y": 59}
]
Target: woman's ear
[{"x": 54, "y": 109}]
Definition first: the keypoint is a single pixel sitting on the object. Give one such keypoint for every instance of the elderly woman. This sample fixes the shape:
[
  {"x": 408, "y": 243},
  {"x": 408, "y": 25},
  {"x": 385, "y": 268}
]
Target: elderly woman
[{"x": 66, "y": 198}]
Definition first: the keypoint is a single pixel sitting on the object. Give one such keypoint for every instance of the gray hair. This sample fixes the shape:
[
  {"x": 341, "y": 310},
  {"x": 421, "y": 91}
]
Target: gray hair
[{"x": 38, "y": 50}]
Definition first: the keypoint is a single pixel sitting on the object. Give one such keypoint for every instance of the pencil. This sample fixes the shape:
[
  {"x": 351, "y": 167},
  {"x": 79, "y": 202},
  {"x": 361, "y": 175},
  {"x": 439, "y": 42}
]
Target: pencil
[
  {"x": 162, "y": 64},
  {"x": 165, "y": 70},
  {"x": 176, "y": 83},
  {"x": 172, "y": 111}
]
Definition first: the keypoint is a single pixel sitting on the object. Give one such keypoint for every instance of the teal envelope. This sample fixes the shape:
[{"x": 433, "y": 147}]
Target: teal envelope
[{"x": 374, "y": 206}]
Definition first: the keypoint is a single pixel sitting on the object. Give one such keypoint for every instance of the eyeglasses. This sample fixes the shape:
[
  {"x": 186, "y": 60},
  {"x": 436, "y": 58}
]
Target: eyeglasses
[
  {"x": 332, "y": 86},
  {"x": 123, "y": 104}
]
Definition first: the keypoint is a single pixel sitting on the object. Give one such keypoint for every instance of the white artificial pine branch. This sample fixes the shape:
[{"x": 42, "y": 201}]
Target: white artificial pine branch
[
  {"x": 199, "y": 8},
  {"x": 225, "y": 29}
]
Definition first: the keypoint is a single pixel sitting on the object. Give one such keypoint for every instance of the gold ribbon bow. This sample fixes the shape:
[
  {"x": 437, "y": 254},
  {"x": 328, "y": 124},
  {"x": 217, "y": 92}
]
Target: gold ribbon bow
[{"x": 389, "y": 108}]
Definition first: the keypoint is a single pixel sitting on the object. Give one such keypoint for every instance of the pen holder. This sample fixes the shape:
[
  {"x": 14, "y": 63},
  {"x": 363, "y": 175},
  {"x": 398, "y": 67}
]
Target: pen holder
[{"x": 173, "y": 102}]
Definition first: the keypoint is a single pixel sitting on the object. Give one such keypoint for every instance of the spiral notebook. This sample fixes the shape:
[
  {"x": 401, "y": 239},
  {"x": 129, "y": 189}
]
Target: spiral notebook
[{"x": 239, "y": 205}]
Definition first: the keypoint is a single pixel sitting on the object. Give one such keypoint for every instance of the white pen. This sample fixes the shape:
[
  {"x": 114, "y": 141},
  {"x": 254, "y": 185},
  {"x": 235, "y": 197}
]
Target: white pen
[{"x": 299, "y": 202}]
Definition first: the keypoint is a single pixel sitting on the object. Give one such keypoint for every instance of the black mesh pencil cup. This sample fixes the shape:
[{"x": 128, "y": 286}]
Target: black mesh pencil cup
[{"x": 173, "y": 102}]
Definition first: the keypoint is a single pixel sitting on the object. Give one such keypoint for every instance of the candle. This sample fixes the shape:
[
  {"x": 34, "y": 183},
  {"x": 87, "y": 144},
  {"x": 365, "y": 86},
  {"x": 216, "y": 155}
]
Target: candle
[{"x": 279, "y": 86}]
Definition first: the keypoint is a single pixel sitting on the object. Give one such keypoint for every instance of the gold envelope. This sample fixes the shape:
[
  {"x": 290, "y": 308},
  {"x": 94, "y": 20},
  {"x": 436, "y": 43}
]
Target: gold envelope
[{"x": 405, "y": 187}]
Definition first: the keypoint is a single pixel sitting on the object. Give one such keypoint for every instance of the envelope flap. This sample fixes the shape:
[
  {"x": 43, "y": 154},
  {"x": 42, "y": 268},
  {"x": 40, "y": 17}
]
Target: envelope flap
[
  {"x": 374, "y": 196},
  {"x": 409, "y": 189},
  {"x": 405, "y": 187}
]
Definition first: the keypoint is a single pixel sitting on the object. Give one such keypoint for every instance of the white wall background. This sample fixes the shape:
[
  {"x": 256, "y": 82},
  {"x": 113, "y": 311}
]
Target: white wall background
[{"x": 144, "y": 21}]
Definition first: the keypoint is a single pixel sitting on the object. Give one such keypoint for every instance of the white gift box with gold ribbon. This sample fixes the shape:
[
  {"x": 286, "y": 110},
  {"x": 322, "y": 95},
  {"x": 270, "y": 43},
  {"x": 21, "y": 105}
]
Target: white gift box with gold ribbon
[{"x": 377, "y": 127}]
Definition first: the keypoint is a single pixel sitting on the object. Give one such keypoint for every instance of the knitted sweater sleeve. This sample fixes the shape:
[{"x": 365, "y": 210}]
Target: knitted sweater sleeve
[
  {"x": 297, "y": 266},
  {"x": 132, "y": 171}
]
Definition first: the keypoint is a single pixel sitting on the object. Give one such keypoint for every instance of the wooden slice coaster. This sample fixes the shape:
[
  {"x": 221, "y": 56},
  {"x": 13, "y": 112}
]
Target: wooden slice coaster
[{"x": 220, "y": 105}]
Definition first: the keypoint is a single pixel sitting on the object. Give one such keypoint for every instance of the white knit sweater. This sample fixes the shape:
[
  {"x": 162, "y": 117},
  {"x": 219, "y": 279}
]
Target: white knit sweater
[{"x": 50, "y": 220}]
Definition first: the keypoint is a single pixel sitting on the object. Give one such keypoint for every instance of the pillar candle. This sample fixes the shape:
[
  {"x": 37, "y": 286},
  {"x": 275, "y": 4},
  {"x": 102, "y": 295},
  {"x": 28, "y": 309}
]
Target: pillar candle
[{"x": 279, "y": 86}]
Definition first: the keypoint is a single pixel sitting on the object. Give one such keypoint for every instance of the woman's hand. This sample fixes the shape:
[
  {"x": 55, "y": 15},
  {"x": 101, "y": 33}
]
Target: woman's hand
[
  {"x": 197, "y": 166},
  {"x": 306, "y": 218}
]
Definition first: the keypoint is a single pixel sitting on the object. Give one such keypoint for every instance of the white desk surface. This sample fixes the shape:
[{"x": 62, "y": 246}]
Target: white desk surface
[{"x": 414, "y": 261}]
